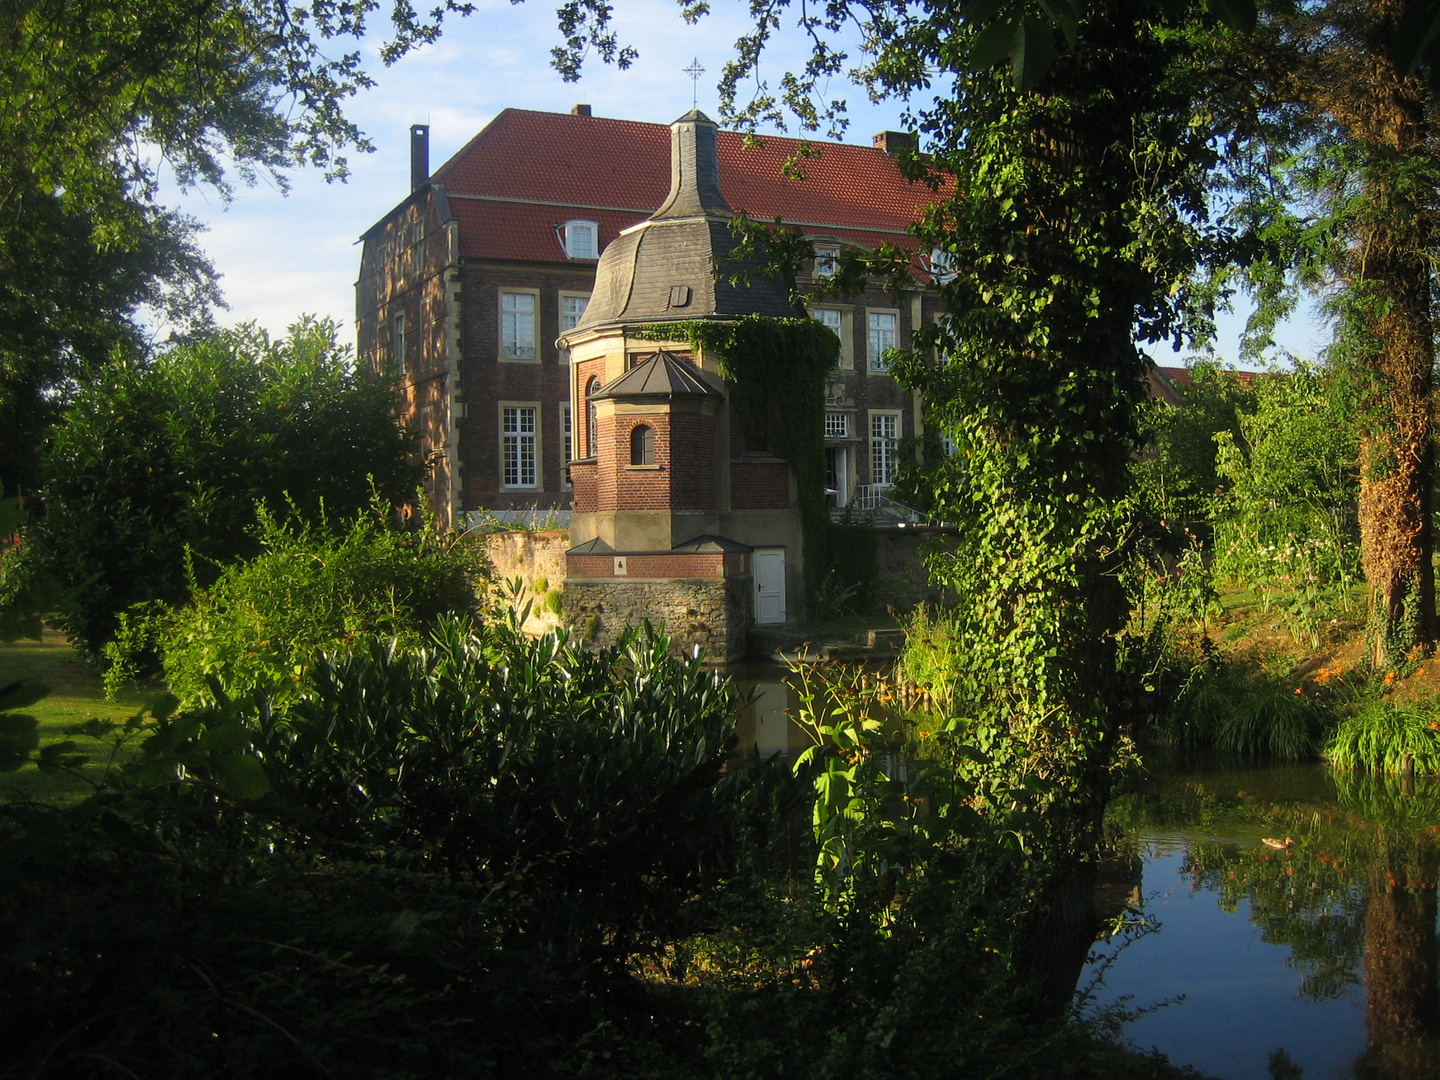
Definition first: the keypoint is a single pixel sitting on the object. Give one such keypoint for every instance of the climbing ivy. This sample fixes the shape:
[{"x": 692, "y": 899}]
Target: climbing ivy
[{"x": 777, "y": 369}]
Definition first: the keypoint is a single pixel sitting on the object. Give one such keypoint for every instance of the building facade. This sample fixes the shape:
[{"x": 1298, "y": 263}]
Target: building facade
[{"x": 468, "y": 283}]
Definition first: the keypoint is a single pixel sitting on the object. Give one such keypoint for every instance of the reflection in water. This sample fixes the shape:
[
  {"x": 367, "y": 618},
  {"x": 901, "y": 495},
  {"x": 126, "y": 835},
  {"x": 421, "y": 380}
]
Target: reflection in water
[{"x": 1332, "y": 941}]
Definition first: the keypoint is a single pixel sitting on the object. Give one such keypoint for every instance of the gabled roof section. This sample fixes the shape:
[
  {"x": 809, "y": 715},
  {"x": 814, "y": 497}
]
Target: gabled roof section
[
  {"x": 531, "y": 169},
  {"x": 664, "y": 375},
  {"x": 709, "y": 544}
]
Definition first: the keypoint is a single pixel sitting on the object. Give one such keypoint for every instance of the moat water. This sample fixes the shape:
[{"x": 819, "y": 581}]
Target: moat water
[{"x": 1250, "y": 960}]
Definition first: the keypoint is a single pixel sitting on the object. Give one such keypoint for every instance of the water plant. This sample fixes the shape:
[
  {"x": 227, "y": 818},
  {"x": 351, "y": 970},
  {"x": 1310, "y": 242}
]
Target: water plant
[{"x": 1390, "y": 737}]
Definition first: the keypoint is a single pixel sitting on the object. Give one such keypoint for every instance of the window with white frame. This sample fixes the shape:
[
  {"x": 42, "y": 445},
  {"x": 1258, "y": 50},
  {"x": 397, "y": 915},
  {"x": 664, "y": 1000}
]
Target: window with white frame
[
  {"x": 884, "y": 435},
  {"x": 837, "y": 425},
  {"x": 517, "y": 446},
  {"x": 827, "y": 261},
  {"x": 567, "y": 443},
  {"x": 947, "y": 443},
  {"x": 582, "y": 239},
  {"x": 881, "y": 326},
  {"x": 397, "y": 357},
  {"x": 517, "y": 325},
  {"x": 571, "y": 308},
  {"x": 828, "y": 318}
]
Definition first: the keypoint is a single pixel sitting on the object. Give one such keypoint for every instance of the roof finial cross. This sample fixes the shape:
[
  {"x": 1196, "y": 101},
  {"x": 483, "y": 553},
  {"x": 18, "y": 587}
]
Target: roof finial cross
[{"x": 694, "y": 71}]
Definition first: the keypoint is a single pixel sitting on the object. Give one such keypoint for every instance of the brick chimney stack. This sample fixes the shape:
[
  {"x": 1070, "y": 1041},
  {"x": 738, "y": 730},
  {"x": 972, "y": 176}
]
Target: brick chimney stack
[
  {"x": 892, "y": 142},
  {"x": 419, "y": 156}
]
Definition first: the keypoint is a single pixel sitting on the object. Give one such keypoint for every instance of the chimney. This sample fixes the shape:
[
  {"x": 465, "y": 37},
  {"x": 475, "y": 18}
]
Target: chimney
[
  {"x": 419, "y": 156},
  {"x": 580, "y": 110},
  {"x": 892, "y": 142},
  {"x": 694, "y": 171}
]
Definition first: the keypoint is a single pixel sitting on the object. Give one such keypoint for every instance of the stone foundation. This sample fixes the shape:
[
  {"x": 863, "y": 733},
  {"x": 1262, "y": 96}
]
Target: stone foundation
[
  {"x": 713, "y": 613},
  {"x": 538, "y": 560}
]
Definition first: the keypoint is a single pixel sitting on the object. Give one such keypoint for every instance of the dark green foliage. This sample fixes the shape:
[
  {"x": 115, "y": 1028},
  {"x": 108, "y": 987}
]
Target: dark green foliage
[
  {"x": 314, "y": 586},
  {"x": 96, "y": 98},
  {"x": 157, "y": 471},
  {"x": 588, "y": 789},
  {"x": 1177, "y": 473},
  {"x": 428, "y": 862}
]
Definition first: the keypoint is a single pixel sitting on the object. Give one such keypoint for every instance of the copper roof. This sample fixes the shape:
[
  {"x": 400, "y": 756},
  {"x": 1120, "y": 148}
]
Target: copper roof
[{"x": 663, "y": 375}]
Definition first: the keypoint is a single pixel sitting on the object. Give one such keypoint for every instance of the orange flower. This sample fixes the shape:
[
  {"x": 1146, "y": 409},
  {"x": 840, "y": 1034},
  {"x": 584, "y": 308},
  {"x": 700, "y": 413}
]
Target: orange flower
[
  {"x": 1299, "y": 690},
  {"x": 1389, "y": 677}
]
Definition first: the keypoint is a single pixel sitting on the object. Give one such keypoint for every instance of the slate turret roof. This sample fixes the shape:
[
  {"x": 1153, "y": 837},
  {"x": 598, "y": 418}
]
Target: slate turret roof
[{"x": 664, "y": 269}]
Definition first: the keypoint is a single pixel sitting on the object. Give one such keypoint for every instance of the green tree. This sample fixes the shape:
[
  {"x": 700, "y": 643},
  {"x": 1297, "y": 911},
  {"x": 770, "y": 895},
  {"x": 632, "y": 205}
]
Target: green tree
[
  {"x": 1178, "y": 472},
  {"x": 96, "y": 96},
  {"x": 1341, "y": 181},
  {"x": 153, "y": 479}
]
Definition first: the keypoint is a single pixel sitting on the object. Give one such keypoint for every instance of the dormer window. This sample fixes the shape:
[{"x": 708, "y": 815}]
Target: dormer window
[
  {"x": 943, "y": 267},
  {"x": 582, "y": 239},
  {"x": 827, "y": 261}
]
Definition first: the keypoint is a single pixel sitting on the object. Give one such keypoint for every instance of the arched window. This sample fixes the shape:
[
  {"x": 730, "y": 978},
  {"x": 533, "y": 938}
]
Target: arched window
[
  {"x": 591, "y": 442},
  {"x": 642, "y": 445}
]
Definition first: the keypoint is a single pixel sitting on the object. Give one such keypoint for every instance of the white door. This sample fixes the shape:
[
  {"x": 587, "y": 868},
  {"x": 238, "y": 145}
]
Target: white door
[{"x": 768, "y": 566}]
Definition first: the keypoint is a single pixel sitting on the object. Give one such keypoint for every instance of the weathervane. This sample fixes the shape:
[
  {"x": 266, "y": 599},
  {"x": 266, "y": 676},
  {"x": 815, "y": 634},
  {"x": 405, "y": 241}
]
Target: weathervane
[{"x": 694, "y": 71}]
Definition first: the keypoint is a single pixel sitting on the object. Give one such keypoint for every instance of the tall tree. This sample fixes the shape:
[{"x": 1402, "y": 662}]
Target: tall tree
[
  {"x": 153, "y": 477},
  {"x": 1347, "y": 175},
  {"x": 97, "y": 95}
]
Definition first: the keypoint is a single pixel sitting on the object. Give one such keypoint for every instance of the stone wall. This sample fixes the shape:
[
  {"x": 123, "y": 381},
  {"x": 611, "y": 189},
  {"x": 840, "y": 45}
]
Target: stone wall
[
  {"x": 713, "y": 613},
  {"x": 538, "y": 560},
  {"x": 901, "y": 581}
]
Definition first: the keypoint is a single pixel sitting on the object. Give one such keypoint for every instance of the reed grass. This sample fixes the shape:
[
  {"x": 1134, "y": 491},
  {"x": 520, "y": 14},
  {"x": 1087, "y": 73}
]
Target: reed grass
[{"x": 1381, "y": 735}]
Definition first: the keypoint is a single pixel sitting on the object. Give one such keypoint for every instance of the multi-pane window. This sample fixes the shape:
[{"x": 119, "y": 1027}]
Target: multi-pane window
[
  {"x": 642, "y": 445},
  {"x": 517, "y": 325},
  {"x": 582, "y": 240},
  {"x": 884, "y": 433},
  {"x": 397, "y": 358},
  {"x": 592, "y": 436},
  {"x": 517, "y": 445},
  {"x": 828, "y": 318},
  {"x": 881, "y": 338},
  {"x": 567, "y": 445},
  {"x": 827, "y": 261},
  {"x": 837, "y": 425},
  {"x": 571, "y": 308}
]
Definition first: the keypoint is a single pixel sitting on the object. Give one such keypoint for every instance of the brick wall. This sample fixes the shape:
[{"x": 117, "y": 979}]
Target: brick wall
[
  {"x": 692, "y": 459},
  {"x": 662, "y": 564},
  {"x": 582, "y": 493},
  {"x": 759, "y": 485},
  {"x": 488, "y": 380}
]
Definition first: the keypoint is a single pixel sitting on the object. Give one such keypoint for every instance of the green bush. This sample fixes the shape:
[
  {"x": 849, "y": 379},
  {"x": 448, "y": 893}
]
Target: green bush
[
  {"x": 1382, "y": 735},
  {"x": 152, "y": 479},
  {"x": 262, "y": 622}
]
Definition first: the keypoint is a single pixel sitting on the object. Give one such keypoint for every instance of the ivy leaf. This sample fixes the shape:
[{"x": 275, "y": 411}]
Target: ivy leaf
[
  {"x": 1033, "y": 53},
  {"x": 1065, "y": 15},
  {"x": 241, "y": 775},
  {"x": 993, "y": 44}
]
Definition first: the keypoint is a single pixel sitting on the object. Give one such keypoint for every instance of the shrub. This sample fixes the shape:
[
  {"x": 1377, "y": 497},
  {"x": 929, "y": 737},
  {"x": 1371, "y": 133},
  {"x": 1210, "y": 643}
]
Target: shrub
[
  {"x": 152, "y": 479},
  {"x": 263, "y": 621},
  {"x": 1382, "y": 735}
]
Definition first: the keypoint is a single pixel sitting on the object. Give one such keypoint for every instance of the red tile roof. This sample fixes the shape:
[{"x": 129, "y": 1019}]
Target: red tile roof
[{"x": 529, "y": 171}]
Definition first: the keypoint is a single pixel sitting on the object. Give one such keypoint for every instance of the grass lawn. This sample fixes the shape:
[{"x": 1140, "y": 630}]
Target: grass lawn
[{"x": 76, "y": 695}]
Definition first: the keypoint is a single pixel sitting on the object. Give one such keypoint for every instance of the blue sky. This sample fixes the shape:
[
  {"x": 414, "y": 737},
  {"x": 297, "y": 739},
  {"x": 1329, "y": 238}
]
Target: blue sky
[{"x": 281, "y": 255}]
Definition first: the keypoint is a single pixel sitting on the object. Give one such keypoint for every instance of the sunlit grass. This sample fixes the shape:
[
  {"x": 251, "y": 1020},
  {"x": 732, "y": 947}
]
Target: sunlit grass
[{"x": 76, "y": 695}]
